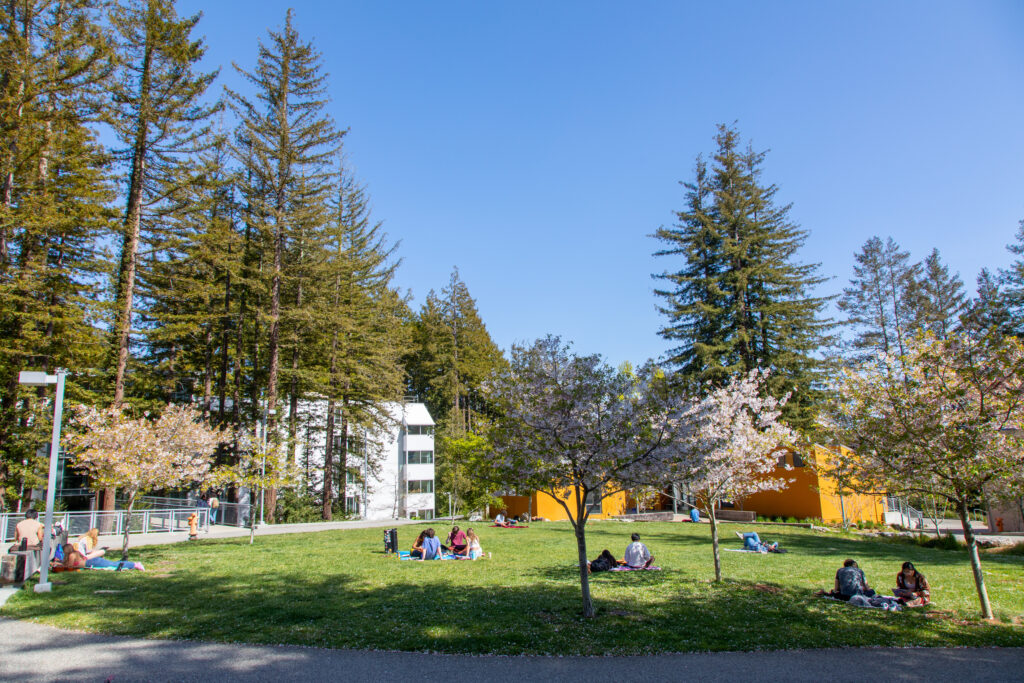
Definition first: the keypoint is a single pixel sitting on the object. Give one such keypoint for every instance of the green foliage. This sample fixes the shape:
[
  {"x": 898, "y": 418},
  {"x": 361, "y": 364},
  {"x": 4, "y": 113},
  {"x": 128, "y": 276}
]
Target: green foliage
[{"x": 735, "y": 297}]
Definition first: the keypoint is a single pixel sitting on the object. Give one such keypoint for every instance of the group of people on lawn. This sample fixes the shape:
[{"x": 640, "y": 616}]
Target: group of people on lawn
[
  {"x": 84, "y": 553},
  {"x": 637, "y": 557},
  {"x": 464, "y": 545}
]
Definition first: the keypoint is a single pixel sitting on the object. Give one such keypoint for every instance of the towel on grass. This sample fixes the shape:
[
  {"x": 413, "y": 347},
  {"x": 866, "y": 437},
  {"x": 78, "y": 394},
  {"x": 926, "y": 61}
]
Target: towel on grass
[
  {"x": 627, "y": 568},
  {"x": 404, "y": 555}
]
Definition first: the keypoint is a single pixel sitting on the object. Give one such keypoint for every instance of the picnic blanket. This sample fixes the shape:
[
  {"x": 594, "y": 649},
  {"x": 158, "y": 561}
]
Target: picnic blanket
[
  {"x": 512, "y": 526},
  {"x": 756, "y": 552},
  {"x": 404, "y": 555},
  {"x": 627, "y": 568}
]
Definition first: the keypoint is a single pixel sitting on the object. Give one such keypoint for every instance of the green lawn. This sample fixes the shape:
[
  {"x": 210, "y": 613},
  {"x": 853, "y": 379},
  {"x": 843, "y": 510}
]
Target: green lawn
[{"x": 337, "y": 589}]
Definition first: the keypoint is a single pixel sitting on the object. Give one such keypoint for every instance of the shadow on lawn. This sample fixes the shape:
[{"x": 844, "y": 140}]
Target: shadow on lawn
[{"x": 425, "y": 610}]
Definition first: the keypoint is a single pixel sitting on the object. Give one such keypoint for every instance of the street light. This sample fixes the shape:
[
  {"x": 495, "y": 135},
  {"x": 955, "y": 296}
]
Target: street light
[
  {"x": 263, "y": 460},
  {"x": 41, "y": 379}
]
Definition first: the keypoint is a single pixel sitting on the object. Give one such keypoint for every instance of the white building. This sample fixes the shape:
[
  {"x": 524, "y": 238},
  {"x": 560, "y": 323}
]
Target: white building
[{"x": 389, "y": 470}]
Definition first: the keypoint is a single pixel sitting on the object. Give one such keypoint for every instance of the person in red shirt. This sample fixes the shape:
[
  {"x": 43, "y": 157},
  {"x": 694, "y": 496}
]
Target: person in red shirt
[{"x": 457, "y": 541}]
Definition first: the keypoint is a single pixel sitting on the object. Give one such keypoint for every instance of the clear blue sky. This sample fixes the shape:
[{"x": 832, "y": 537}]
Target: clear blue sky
[{"x": 536, "y": 145}]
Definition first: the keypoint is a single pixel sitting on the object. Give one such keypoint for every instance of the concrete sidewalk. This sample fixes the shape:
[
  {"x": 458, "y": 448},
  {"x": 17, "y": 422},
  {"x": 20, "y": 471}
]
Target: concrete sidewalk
[
  {"x": 32, "y": 652},
  {"x": 222, "y": 531}
]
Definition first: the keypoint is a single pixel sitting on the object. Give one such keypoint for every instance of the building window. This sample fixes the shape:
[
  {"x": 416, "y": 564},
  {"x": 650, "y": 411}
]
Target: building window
[
  {"x": 797, "y": 460},
  {"x": 421, "y": 514},
  {"x": 419, "y": 457},
  {"x": 420, "y": 430},
  {"x": 420, "y": 486},
  {"x": 594, "y": 499}
]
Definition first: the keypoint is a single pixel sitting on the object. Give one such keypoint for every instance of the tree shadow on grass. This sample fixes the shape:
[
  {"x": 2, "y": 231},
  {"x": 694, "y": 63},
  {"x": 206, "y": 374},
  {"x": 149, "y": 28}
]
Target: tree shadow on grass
[{"x": 423, "y": 609}]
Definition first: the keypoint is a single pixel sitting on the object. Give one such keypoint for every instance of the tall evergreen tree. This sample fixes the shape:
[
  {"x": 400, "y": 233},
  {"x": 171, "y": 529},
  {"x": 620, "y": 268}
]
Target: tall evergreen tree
[
  {"x": 988, "y": 313},
  {"x": 939, "y": 297},
  {"x": 452, "y": 357},
  {"x": 882, "y": 302},
  {"x": 287, "y": 142},
  {"x": 359, "y": 327},
  {"x": 159, "y": 116},
  {"x": 53, "y": 62},
  {"x": 1012, "y": 282},
  {"x": 738, "y": 298}
]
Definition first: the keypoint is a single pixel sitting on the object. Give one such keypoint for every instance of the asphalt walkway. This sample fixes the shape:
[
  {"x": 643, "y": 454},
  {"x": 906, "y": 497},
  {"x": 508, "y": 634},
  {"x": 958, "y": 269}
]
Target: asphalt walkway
[
  {"x": 223, "y": 531},
  {"x": 32, "y": 652}
]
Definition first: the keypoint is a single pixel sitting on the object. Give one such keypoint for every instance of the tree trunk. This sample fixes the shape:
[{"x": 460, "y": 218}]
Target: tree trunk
[
  {"x": 252, "y": 516},
  {"x": 714, "y": 540},
  {"x": 972, "y": 550},
  {"x": 581, "y": 547}
]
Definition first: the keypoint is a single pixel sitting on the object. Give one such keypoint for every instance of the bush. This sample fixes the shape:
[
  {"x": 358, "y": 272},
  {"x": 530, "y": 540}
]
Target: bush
[
  {"x": 293, "y": 507},
  {"x": 945, "y": 542}
]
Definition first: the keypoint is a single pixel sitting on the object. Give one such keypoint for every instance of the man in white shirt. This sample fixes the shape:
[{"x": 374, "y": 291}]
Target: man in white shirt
[{"x": 637, "y": 554}]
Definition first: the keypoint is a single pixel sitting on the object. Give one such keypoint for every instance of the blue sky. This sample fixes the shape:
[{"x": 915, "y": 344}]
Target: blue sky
[{"x": 536, "y": 145}]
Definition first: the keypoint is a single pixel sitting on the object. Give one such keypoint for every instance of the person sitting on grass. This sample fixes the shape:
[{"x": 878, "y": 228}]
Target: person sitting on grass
[
  {"x": 456, "y": 542},
  {"x": 472, "y": 549},
  {"x": 912, "y": 588},
  {"x": 431, "y": 546},
  {"x": 637, "y": 554},
  {"x": 87, "y": 543},
  {"x": 850, "y": 581},
  {"x": 417, "y": 546}
]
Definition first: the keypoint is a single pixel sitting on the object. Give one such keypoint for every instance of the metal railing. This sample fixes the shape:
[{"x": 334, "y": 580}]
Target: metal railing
[{"x": 113, "y": 522}]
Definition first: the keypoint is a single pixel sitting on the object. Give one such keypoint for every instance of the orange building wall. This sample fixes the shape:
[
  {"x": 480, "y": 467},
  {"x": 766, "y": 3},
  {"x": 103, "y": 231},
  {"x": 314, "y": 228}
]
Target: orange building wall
[
  {"x": 543, "y": 505},
  {"x": 814, "y": 495}
]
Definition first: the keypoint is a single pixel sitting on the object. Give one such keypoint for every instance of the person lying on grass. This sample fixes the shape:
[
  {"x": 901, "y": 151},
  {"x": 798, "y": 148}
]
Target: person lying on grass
[
  {"x": 417, "y": 546},
  {"x": 850, "y": 581},
  {"x": 431, "y": 546},
  {"x": 456, "y": 543},
  {"x": 73, "y": 559},
  {"x": 604, "y": 562},
  {"x": 637, "y": 554},
  {"x": 751, "y": 541},
  {"x": 911, "y": 587}
]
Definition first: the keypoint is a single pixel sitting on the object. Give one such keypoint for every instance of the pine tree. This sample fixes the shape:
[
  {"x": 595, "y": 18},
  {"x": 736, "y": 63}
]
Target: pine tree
[
  {"x": 159, "y": 118},
  {"x": 1012, "y": 282},
  {"x": 53, "y": 61},
  {"x": 287, "y": 142},
  {"x": 452, "y": 357},
  {"x": 359, "y": 327},
  {"x": 989, "y": 312},
  {"x": 938, "y": 296},
  {"x": 740, "y": 299},
  {"x": 882, "y": 302}
]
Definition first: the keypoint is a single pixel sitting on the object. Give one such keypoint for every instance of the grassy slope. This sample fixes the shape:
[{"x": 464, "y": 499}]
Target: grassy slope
[{"x": 337, "y": 589}]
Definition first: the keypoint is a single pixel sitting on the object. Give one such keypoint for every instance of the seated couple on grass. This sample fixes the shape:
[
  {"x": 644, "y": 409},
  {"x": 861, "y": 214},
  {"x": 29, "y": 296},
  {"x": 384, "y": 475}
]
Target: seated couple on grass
[
  {"x": 912, "y": 589},
  {"x": 461, "y": 545},
  {"x": 751, "y": 541},
  {"x": 637, "y": 557}
]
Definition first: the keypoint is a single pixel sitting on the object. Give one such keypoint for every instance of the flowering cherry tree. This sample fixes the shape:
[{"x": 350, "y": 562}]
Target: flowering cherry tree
[
  {"x": 946, "y": 419},
  {"x": 578, "y": 430},
  {"x": 730, "y": 448},
  {"x": 139, "y": 455}
]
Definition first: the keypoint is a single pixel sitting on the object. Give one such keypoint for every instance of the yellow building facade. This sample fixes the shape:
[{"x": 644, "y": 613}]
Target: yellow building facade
[
  {"x": 811, "y": 494},
  {"x": 540, "y": 504}
]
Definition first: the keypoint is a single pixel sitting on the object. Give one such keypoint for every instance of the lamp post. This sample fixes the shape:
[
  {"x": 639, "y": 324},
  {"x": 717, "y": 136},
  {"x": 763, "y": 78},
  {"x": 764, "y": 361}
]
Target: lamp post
[
  {"x": 41, "y": 379},
  {"x": 263, "y": 460}
]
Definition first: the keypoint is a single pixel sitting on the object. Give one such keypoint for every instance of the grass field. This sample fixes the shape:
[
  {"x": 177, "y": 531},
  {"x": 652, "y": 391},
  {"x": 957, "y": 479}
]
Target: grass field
[{"x": 337, "y": 589}]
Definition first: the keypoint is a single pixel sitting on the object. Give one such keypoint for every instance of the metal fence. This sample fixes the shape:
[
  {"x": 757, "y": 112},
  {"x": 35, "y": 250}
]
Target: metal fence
[
  {"x": 113, "y": 522},
  {"x": 230, "y": 514}
]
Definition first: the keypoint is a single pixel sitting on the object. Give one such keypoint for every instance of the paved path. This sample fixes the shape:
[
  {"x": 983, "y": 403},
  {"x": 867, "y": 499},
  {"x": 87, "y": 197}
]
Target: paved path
[
  {"x": 222, "y": 531},
  {"x": 31, "y": 652}
]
